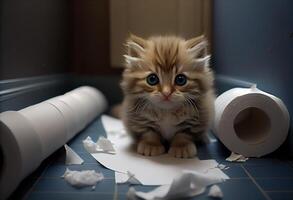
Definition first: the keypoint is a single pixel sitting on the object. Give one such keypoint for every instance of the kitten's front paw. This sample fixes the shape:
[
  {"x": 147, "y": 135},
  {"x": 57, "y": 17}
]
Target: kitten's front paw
[
  {"x": 150, "y": 149},
  {"x": 182, "y": 146},
  {"x": 187, "y": 150}
]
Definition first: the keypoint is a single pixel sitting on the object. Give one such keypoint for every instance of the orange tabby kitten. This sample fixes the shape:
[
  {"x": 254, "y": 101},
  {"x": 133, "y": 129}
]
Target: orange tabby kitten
[{"x": 168, "y": 94}]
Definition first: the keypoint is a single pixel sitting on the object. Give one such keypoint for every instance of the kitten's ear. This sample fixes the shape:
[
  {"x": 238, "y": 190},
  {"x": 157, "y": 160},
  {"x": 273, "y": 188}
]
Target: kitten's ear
[
  {"x": 197, "y": 47},
  {"x": 135, "y": 48}
]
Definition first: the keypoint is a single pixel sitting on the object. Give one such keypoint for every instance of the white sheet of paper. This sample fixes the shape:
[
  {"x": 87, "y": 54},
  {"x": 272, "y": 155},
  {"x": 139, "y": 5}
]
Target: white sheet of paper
[
  {"x": 72, "y": 158},
  {"x": 157, "y": 170}
]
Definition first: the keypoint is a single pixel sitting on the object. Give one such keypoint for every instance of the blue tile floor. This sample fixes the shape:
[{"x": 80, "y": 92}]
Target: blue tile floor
[{"x": 263, "y": 178}]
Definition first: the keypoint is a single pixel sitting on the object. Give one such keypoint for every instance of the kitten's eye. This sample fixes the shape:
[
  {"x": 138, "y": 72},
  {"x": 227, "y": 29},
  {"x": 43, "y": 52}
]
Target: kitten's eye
[
  {"x": 152, "y": 79},
  {"x": 180, "y": 80}
]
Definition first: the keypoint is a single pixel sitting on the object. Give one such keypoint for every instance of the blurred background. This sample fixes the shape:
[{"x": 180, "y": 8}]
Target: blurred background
[
  {"x": 86, "y": 37},
  {"x": 47, "y": 43}
]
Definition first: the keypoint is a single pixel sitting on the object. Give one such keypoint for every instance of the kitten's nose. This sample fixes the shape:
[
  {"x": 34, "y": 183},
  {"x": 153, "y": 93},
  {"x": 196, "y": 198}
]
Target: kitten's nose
[{"x": 166, "y": 91}]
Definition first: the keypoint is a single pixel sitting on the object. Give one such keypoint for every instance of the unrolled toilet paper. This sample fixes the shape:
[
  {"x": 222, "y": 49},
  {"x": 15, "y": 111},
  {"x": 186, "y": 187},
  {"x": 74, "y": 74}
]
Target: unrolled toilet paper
[
  {"x": 250, "y": 122},
  {"x": 30, "y": 135}
]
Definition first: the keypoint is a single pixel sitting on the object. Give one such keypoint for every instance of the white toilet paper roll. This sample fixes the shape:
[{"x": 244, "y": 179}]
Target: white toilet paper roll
[
  {"x": 76, "y": 108},
  {"x": 71, "y": 120},
  {"x": 250, "y": 122},
  {"x": 95, "y": 94},
  {"x": 21, "y": 151},
  {"x": 30, "y": 135},
  {"x": 87, "y": 106},
  {"x": 49, "y": 124}
]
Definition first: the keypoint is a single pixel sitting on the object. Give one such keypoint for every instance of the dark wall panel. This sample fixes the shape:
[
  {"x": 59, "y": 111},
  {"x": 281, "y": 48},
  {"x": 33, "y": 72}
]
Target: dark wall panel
[
  {"x": 91, "y": 37},
  {"x": 34, "y": 37}
]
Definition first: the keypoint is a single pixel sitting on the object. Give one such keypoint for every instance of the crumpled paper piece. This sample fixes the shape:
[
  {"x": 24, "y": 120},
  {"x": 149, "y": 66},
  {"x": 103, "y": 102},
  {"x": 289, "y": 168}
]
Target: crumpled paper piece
[
  {"x": 234, "y": 157},
  {"x": 72, "y": 157},
  {"x": 187, "y": 184},
  {"x": 82, "y": 178},
  {"x": 216, "y": 192},
  {"x": 102, "y": 145}
]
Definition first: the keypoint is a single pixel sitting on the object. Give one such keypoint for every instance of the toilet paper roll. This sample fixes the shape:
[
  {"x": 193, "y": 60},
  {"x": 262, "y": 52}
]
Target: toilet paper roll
[
  {"x": 30, "y": 135},
  {"x": 21, "y": 150},
  {"x": 250, "y": 122},
  {"x": 85, "y": 91},
  {"x": 76, "y": 107},
  {"x": 70, "y": 118},
  {"x": 49, "y": 124}
]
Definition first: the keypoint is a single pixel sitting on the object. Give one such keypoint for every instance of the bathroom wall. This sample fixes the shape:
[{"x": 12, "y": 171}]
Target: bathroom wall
[
  {"x": 34, "y": 37},
  {"x": 253, "y": 41}
]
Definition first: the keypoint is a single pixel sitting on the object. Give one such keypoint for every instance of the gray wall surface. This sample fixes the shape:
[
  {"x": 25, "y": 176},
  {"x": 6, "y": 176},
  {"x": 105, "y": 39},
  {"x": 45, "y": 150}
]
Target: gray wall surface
[
  {"x": 253, "y": 41},
  {"x": 34, "y": 37}
]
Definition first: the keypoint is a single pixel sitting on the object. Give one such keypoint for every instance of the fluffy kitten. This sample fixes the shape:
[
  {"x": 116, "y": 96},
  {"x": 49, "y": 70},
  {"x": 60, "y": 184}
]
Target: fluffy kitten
[{"x": 168, "y": 94}]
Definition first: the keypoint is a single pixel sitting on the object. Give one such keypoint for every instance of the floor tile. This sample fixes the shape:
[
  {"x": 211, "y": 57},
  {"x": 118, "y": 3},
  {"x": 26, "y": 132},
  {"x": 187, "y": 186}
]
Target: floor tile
[
  {"x": 273, "y": 170},
  {"x": 235, "y": 171},
  {"x": 57, "y": 170},
  {"x": 280, "y": 195},
  {"x": 60, "y": 185},
  {"x": 276, "y": 184},
  {"x": 233, "y": 189},
  {"x": 263, "y": 161},
  {"x": 68, "y": 196}
]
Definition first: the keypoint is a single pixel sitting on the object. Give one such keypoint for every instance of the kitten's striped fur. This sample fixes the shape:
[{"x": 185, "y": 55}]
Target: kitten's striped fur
[{"x": 171, "y": 125}]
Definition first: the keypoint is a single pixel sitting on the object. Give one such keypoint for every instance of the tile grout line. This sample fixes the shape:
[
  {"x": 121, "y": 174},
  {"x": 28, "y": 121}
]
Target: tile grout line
[
  {"x": 26, "y": 196},
  {"x": 115, "y": 195},
  {"x": 256, "y": 184}
]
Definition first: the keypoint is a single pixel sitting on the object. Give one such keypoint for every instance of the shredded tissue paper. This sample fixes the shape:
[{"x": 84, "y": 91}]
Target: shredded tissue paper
[
  {"x": 187, "y": 184},
  {"x": 102, "y": 145},
  {"x": 216, "y": 192},
  {"x": 82, "y": 178}
]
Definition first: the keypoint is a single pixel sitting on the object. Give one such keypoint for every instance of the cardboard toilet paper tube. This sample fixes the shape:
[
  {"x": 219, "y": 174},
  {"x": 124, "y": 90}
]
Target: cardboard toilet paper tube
[
  {"x": 30, "y": 135},
  {"x": 250, "y": 122}
]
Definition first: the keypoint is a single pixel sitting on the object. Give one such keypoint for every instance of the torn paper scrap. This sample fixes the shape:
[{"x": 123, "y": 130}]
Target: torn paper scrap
[
  {"x": 222, "y": 167},
  {"x": 72, "y": 157},
  {"x": 234, "y": 157},
  {"x": 89, "y": 145},
  {"x": 126, "y": 178},
  {"x": 216, "y": 192},
  {"x": 187, "y": 184},
  {"x": 82, "y": 178},
  {"x": 102, "y": 145}
]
